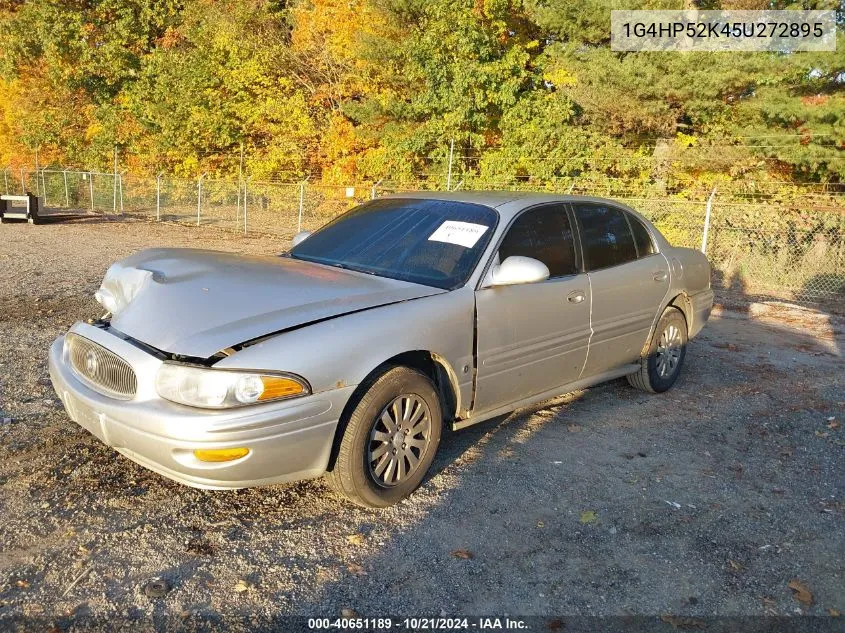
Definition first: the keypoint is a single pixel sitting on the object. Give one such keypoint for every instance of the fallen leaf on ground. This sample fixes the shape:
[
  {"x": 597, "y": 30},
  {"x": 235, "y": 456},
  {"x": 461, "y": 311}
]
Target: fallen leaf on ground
[
  {"x": 588, "y": 516},
  {"x": 349, "y": 613},
  {"x": 462, "y": 553},
  {"x": 554, "y": 625},
  {"x": 355, "y": 539},
  {"x": 23, "y": 584},
  {"x": 540, "y": 524},
  {"x": 573, "y": 428},
  {"x": 833, "y": 424},
  {"x": 241, "y": 586},
  {"x": 800, "y": 591},
  {"x": 735, "y": 565},
  {"x": 833, "y": 612},
  {"x": 356, "y": 569},
  {"x": 728, "y": 346}
]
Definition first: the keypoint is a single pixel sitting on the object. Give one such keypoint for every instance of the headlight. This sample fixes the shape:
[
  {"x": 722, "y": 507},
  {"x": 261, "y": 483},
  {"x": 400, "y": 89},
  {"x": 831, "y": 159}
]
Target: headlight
[
  {"x": 223, "y": 388},
  {"x": 120, "y": 286}
]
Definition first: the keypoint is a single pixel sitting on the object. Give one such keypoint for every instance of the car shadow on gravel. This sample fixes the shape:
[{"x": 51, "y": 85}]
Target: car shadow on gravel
[{"x": 706, "y": 500}]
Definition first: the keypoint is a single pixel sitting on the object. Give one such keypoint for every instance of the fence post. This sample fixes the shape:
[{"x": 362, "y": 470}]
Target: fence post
[
  {"x": 67, "y": 193},
  {"x": 199, "y": 198},
  {"x": 449, "y": 173},
  {"x": 709, "y": 208},
  {"x": 120, "y": 185},
  {"x": 238, "y": 208},
  {"x": 37, "y": 169},
  {"x": 245, "y": 199},
  {"x": 91, "y": 190},
  {"x": 301, "y": 205},
  {"x": 373, "y": 191},
  {"x": 43, "y": 186},
  {"x": 158, "y": 196},
  {"x": 23, "y": 183},
  {"x": 240, "y": 181},
  {"x": 114, "y": 183},
  {"x": 6, "y": 180}
]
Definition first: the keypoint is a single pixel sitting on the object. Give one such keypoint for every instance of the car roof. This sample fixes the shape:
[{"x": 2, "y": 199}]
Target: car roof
[
  {"x": 507, "y": 203},
  {"x": 487, "y": 198}
]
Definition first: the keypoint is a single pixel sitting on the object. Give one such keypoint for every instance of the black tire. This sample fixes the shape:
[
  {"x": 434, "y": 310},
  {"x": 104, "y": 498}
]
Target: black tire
[
  {"x": 363, "y": 449},
  {"x": 658, "y": 369}
]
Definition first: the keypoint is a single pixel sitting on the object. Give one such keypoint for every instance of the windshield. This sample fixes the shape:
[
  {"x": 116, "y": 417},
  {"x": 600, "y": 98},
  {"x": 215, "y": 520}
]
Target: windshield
[{"x": 431, "y": 242}]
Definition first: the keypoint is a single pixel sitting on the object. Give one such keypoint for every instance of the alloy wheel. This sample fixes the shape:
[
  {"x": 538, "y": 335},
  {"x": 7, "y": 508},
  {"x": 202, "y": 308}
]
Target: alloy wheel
[
  {"x": 669, "y": 351},
  {"x": 398, "y": 440}
]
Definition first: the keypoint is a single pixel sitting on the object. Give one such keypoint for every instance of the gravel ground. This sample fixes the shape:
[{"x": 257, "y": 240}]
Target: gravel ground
[{"x": 707, "y": 500}]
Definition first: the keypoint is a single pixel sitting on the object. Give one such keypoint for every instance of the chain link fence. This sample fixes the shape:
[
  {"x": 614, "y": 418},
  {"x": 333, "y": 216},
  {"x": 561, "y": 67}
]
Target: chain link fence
[
  {"x": 81, "y": 192},
  {"x": 781, "y": 250},
  {"x": 791, "y": 247}
]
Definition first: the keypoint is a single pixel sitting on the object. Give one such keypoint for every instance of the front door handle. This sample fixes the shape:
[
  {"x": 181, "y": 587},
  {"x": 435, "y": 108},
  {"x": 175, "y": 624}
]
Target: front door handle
[
  {"x": 660, "y": 275},
  {"x": 576, "y": 297}
]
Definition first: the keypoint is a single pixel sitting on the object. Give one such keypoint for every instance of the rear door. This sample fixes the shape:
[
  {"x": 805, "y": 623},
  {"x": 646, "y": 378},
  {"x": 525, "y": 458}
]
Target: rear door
[
  {"x": 533, "y": 337},
  {"x": 628, "y": 278}
]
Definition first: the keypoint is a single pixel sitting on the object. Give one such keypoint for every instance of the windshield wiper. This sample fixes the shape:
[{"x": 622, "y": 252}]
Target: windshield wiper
[{"x": 332, "y": 263}]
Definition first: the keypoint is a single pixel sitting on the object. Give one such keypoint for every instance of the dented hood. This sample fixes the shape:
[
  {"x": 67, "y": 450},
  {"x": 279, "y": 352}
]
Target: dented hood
[{"x": 196, "y": 302}]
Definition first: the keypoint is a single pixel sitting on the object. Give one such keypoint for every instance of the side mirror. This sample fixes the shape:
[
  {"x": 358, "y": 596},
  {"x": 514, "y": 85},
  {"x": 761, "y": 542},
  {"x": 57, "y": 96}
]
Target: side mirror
[
  {"x": 299, "y": 238},
  {"x": 519, "y": 270}
]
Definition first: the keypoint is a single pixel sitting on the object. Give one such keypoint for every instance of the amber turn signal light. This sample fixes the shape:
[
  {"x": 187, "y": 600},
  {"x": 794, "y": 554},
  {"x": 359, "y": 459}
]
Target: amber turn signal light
[
  {"x": 279, "y": 387},
  {"x": 220, "y": 454}
]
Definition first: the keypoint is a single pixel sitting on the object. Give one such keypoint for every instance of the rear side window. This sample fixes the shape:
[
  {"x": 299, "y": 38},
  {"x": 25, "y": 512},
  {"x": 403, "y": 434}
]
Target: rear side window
[
  {"x": 545, "y": 234},
  {"x": 642, "y": 239},
  {"x": 606, "y": 237}
]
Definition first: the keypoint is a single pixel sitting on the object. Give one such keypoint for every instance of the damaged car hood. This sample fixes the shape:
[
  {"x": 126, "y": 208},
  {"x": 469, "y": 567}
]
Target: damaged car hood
[{"x": 196, "y": 302}]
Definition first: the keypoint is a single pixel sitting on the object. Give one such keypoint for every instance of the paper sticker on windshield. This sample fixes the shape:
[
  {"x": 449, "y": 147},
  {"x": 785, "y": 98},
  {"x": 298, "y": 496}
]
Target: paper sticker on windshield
[{"x": 461, "y": 233}]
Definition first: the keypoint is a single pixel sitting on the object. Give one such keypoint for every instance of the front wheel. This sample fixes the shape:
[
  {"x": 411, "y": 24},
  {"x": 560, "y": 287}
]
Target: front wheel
[
  {"x": 660, "y": 368},
  {"x": 390, "y": 439}
]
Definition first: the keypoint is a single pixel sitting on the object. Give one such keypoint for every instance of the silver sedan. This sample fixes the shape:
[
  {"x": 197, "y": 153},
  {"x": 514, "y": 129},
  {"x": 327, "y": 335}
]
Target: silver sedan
[{"x": 347, "y": 354}]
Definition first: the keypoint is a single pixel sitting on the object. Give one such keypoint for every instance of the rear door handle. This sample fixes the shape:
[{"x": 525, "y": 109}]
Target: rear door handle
[
  {"x": 576, "y": 297},
  {"x": 660, "y": 275}
]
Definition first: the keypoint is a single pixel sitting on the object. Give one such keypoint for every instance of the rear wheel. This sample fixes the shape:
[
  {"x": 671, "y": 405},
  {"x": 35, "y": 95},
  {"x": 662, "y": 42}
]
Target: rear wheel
[
  {"x": 390, "y": 439},
  {"x": 660, "y": 368}
]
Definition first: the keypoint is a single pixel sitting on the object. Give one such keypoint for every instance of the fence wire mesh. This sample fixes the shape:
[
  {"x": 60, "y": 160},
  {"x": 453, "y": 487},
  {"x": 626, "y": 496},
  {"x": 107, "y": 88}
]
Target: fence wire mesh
[
  {"x": 788, "y": 245},
  {"x": 218, "y": 204},
  {"x": 272, "y": 207},
  {"x": 136, "y": 196},
  {"x": 780, "y": 250},
  {"x": 177, "y": 200}
]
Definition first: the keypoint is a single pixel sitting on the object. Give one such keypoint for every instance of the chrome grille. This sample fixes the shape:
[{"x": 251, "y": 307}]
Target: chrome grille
[{"x": 102, "y": 370}]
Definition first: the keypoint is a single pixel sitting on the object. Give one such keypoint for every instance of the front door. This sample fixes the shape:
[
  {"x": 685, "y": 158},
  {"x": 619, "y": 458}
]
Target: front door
[{"x": 533, "y": 337}]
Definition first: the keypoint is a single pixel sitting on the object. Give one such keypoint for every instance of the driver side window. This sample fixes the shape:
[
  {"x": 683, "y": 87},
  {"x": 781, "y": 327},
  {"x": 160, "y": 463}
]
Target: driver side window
[{"x": 545, "y": 234}]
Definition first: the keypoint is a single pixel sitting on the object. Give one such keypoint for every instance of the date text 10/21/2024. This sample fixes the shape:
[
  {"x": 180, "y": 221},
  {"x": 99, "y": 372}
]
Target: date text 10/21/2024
[{"x": 417, "y": 624}]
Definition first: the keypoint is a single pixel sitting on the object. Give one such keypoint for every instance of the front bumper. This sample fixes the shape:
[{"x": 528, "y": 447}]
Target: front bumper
[{"x": 288, "y": 440}]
